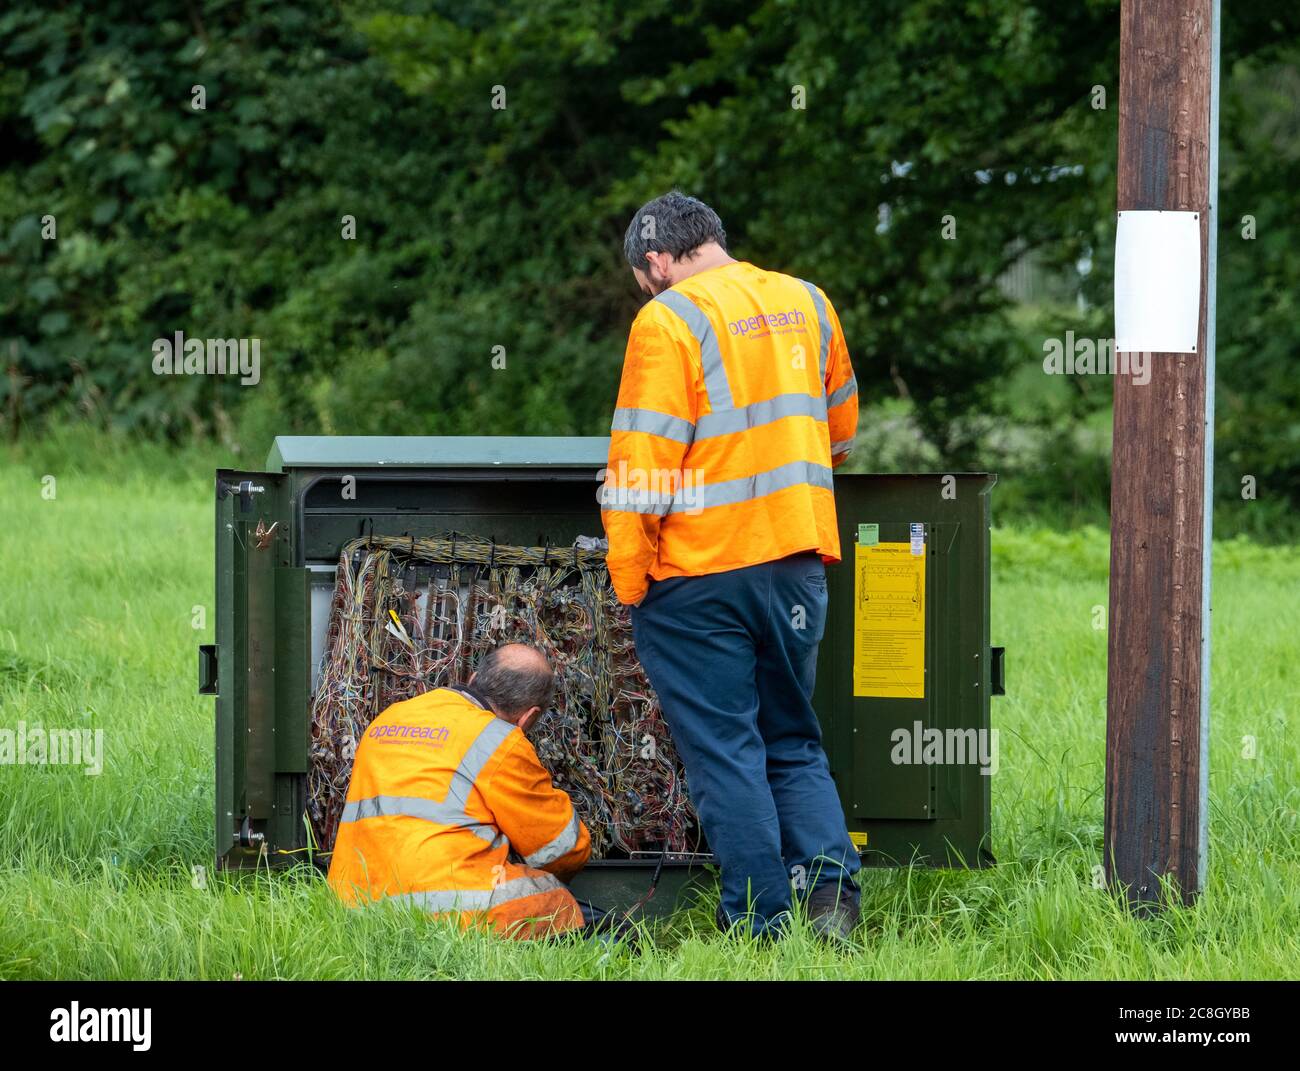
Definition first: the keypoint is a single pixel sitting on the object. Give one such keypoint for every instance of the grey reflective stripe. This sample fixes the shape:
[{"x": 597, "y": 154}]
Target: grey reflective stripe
[
  {"x": 627, "y": 500},
  {"x": 445, "y": 814},
  {"x": 824, "y": 324},
  {"x": 561, "y": 845},
  {"x": 528, "y": 885},
  {"x": 842, "y": 447},
  {"x": 387, "y": 806},
  {"x": 479, "y": 899},
  {"x": 759, "y": 413},
  {"x": 729, "y": 492},
  {"x": 484, "y": 747},
  {"x": 715, "y": 375},
  {"x": 647, "y": 420},
  {"x": 446, "y": 899},
  {"x": 449, "y": 811},
  {"x": 843, "y": 394}
]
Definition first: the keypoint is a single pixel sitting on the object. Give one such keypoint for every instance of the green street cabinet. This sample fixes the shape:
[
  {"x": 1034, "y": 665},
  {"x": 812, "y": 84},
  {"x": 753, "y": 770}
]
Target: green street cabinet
[{"x": 904, "y": 678}]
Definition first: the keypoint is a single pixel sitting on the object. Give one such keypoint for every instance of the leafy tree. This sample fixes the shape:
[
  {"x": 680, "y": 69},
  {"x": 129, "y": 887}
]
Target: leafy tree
[{"x": 489, "y": 155}]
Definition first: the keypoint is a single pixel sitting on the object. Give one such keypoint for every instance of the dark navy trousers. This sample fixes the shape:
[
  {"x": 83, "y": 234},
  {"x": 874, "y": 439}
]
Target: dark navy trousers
[{"x": 733, "y": 657}]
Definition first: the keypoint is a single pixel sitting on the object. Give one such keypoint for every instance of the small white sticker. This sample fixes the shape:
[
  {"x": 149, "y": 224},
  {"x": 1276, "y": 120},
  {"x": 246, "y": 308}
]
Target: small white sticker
[{"x": 918, "y": 538}]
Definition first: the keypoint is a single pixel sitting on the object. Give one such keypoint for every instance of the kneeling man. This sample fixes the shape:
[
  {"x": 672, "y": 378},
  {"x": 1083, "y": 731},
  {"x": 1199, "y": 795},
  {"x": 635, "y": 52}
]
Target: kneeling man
[{"x": 450, "y": 808}]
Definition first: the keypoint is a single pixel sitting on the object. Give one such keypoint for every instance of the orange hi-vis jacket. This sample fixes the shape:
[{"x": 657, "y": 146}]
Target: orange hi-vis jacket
[
  {"x": 737, "y": 400},
  {"x": 445, "y": 801}
]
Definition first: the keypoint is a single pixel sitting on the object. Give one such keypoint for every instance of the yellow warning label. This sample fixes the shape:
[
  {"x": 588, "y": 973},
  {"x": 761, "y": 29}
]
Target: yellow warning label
[
  {"x": 859, "y": 839},
  {"x": 889, "y": 621}
]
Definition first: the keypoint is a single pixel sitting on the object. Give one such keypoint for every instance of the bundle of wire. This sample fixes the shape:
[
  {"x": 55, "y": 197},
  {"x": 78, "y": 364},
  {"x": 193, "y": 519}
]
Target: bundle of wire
[{"x": 409, "y": 615}]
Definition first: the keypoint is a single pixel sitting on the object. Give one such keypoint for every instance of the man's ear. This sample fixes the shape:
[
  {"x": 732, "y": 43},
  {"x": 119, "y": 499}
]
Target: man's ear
[
  {"x": 526, "y": 722},
  {"x": 657, "y": 268}
]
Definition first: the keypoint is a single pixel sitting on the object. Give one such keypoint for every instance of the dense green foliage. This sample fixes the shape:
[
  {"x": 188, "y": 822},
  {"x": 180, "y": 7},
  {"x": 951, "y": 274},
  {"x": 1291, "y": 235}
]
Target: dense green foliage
[{"x": 480, "y": 227}]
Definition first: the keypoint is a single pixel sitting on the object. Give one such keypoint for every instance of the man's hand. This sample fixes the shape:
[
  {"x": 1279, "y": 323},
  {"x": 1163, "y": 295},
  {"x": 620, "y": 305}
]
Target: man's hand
[{"x": 623, "y": 596}]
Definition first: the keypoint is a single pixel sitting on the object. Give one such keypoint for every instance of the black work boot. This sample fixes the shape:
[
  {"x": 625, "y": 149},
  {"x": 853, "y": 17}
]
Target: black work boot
[{"x": 834, "y": 910}]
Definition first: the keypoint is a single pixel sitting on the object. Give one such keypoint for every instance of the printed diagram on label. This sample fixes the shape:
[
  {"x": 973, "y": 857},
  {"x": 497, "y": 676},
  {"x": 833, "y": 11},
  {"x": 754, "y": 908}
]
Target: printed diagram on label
[{"x": 889, "y": 621}]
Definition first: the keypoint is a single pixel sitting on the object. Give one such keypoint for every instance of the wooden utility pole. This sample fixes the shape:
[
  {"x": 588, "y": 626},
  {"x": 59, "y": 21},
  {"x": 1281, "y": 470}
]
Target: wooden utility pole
[{"x": 1157, "y": 723}]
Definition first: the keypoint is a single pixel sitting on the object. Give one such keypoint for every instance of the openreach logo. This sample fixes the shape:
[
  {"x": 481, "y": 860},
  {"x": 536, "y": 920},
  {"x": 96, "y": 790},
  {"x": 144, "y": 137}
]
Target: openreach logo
[
  {"x": 76, "y": 1023},
  {"x": 919, "y": 746},
  {"x": 181, "y": 356},
  {"x": 33, "y": 745},
  {"x": 765, "y": 322},
  {"x": 1094, "y": 357}
]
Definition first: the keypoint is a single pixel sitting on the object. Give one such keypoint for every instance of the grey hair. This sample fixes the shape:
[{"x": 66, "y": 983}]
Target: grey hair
[
  {"x": 673, "y": 223},
  {"x": 515, "y": 685}
]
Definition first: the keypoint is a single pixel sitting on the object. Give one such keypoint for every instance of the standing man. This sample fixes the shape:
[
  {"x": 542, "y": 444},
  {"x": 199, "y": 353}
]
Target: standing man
[{"x": 736, "y": 401}]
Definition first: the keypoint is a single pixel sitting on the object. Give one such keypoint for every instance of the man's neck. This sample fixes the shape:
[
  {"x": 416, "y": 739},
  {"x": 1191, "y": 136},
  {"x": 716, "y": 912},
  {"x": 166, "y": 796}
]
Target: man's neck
[
  {"x": 473, "y": 695},
  {"x": 709, "y": 256}
]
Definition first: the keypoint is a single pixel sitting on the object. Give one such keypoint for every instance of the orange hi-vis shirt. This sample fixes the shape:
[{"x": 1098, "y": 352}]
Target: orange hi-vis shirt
[
  {"x": 737, "y": 400},
  {"x": 449, "y": 808}
]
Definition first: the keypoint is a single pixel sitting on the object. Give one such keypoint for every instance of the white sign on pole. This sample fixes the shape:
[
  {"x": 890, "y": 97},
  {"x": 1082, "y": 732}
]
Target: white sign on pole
[{"x": 1157, "y": 282}]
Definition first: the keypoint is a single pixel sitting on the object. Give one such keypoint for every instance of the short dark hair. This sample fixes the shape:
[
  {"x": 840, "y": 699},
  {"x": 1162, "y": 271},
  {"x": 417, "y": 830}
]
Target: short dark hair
[
  {"x": 673, "y": 223},
  {"x": 514, "y": 682}
]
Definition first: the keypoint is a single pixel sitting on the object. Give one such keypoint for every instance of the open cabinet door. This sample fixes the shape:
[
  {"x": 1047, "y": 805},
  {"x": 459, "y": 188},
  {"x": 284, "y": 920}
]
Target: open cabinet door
[{"x": 258, "y": 671}]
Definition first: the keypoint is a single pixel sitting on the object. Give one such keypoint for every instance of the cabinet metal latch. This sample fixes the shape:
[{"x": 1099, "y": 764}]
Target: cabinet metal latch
[{"x": 245, "y": 489}]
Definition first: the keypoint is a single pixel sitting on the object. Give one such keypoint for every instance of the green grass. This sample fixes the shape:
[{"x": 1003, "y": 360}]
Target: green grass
[{"x": 97, "y": 590}]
